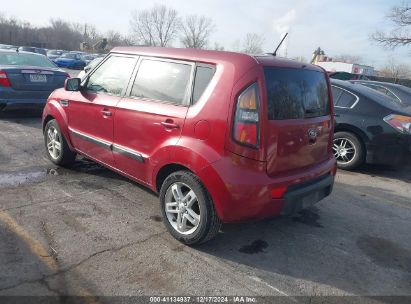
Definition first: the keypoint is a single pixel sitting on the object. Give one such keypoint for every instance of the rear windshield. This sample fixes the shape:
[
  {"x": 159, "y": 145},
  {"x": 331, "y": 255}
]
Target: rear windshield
[
  {"x": 26, "y": 60},
  {"x": 296, "y": 93}
]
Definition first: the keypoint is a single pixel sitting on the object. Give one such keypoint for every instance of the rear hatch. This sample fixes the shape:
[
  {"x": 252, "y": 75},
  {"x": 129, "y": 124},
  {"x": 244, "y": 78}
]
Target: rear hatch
[
  {"x": 299, "y": 128},
  {"x": 35, "y": 79}
]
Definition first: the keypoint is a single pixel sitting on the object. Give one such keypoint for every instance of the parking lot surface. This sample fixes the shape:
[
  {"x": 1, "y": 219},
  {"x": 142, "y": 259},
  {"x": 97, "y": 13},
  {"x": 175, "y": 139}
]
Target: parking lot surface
[{"x": 87, "y": 231}]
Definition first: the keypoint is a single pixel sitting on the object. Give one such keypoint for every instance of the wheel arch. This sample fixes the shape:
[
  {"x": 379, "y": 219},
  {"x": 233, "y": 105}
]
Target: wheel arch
[
  {"x": 352, "y": 129},
  {"x": 165, "y": 171},
  {"x": 53, "y": 110}
]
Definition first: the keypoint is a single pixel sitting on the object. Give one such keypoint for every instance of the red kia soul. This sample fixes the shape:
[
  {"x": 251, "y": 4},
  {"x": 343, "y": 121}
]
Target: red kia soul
[{"x": 221, "y": 136}]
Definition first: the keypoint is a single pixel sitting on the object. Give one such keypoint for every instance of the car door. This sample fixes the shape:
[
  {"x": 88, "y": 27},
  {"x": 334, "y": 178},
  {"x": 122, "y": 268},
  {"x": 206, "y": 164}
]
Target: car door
[
  {"x": 150, "y": 119},
  {"x": 91, "y": 110}
]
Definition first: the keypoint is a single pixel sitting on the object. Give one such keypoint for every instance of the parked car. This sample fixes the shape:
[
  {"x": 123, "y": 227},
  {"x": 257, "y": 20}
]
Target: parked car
[
  {"x": 89, "y": 67},
  {"x": 369, "y": 127},
  {"x": 87, "y": 58},
  {"x": 222, "y": 137},
  {"x": 70, "y": 61},
  {"x": 27, "y": 79},
  {"x": 399, "y": 93},
  {"x": 32, "y": 50},
  {"x": 54, "y": 54}
]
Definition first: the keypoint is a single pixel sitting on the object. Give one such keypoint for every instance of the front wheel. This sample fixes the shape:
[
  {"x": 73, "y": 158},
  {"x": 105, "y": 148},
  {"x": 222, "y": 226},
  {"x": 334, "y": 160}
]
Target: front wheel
[
  {"x": 188, "y": 211},
  {"x": 348, "y": 150},
  {"x": 57, "y": 148}
]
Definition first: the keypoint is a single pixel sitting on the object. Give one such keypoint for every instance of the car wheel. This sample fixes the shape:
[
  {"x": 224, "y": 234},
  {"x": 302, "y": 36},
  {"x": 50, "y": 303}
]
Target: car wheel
[
  {"x": 348, "y": 150},
  {"x": 56, "y": 145},
  {"x": 187, "y": 208}
]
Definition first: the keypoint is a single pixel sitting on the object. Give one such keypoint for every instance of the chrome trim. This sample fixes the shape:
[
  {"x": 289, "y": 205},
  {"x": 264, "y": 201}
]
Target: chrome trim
[
  {"x": 109, "y": 146},
  {"x": 128, "y": 152},
  {"x": 354, "y": 104},
  {"x": 92, "y": 139}
]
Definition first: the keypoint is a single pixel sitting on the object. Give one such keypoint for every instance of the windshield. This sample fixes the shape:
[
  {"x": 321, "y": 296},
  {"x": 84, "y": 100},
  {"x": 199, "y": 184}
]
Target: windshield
[
  {"x": 25, "y": 60},
  {"x": 296, "y": 93}
]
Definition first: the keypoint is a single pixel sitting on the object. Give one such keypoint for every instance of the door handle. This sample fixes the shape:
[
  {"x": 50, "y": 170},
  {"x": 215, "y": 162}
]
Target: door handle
[
  {"x": 169, "y": 124},
  {"x": 106, "y": 112}
]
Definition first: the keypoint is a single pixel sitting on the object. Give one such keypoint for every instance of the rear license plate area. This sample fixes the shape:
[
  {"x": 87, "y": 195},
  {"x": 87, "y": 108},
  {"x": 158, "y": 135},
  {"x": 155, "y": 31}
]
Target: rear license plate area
[{"x": 38, "y": 78}]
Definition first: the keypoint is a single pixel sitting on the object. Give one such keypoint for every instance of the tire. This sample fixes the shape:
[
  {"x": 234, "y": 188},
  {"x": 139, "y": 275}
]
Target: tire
[
  {"x": 348, "y": 150},
  {"x": 63, "y": 156},
  {"x": 193, "y": 192}
]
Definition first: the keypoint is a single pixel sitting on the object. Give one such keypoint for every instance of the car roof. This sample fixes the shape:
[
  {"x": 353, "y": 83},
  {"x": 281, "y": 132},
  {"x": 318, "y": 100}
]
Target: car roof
[
  {"x": 358, "y": 88},
  {"x": 209, "y": 56},
  {"x": 19, "y": 52},
  {"x": 381, "y": 83}
]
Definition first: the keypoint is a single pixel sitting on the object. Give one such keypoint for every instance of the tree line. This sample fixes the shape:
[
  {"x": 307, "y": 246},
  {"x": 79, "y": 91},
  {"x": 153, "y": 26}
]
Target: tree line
[{"x": 156, "y": 26}]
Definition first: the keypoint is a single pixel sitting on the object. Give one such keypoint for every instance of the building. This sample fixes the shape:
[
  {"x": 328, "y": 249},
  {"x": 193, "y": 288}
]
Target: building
[{"x": 319, "y": 58}]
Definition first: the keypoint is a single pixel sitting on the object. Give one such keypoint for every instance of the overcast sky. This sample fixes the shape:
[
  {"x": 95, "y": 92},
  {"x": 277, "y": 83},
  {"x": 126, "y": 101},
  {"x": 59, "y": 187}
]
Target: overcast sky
[{"x": 338, "y": 27}]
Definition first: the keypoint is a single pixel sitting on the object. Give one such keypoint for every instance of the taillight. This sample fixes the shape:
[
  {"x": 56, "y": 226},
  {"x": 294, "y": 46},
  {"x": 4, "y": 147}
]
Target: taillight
[
  {"x": 247, "y": 117},
  {"x": 4, "y": 81},
  {"x": 399, "y": 122}
]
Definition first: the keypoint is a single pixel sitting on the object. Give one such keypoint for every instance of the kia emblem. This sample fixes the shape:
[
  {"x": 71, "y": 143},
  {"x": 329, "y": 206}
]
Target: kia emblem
[{"x": 312, "y": 133}]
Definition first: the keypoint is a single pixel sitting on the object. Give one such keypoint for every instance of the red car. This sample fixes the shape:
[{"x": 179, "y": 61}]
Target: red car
[{"x": 222, "y": 137}]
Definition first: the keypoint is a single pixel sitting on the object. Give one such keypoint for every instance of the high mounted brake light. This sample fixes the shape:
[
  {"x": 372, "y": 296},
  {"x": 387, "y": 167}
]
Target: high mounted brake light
[{"x": 247, "y": 117}]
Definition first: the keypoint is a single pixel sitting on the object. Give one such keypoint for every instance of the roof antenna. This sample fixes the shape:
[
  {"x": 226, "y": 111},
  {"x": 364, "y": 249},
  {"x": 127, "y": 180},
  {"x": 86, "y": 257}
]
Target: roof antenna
[{"x": 281, "y": 42}]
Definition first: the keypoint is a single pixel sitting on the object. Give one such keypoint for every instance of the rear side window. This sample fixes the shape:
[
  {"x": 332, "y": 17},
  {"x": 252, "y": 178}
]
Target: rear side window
[
  {"x": 296, "y": 93},
  {"x": 342, "y": 98},
  {"x": 162, "y": 80},
  {"x": 112, "y": 76},
  {"x": 202, "y": 79},
  {"x": 336, "y": 94},
  {"x": 346, "y": 100}
]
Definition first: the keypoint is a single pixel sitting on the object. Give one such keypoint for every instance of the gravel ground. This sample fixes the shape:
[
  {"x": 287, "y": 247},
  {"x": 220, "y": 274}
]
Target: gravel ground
[{"x": 88, "y": 231}]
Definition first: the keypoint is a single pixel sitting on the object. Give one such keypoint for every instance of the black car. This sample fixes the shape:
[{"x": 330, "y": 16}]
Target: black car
[
  {"x": 397, "y": 92},
  {"x": 369, "y": 126}
]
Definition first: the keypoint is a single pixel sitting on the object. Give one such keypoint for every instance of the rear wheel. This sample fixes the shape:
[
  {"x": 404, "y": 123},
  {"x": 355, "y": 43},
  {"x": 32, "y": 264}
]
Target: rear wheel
[
  {"x": 187, "y": 209},
  {"x": 57, "y": 148},
  {"x": 348, "y": 150}
]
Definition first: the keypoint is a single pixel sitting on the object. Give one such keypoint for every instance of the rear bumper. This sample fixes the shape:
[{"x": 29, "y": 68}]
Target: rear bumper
[
  {"x": 391, "y": 151},
  {"x": 22, "y": 104},
  {"x": 241, "y": 189},
  {"x": 302, "y": 196}
]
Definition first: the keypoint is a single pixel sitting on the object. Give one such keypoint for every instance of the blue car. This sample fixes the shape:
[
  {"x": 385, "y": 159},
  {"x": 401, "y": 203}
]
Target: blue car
[
  {"x": 70, "y": 61},
  {"x": 27, "y": 79}
]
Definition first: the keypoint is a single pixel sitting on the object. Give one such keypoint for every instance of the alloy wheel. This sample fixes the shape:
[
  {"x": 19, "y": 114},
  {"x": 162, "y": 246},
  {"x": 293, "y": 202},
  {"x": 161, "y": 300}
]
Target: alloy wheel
[
  {"x": 182, "y": 208},
  {"x": 53, "y": 143},
  {"x": 344, "y": 150}
]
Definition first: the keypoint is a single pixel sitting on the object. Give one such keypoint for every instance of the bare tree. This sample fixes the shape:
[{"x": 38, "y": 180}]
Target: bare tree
[
  {"x": 400, "y": 16},
  {"x": 157, "y": 26},
  {"x": 218, "y": 47},
  {"x": 347, "y": 58},
  {"x": 253, "y": 44},
  {"x": 196, "y": 31},
  {"x": 395, "y": 70}
]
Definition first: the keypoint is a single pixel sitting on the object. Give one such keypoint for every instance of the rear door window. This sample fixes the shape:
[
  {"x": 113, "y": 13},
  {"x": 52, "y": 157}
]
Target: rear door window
[
  {"x": 203, "y": 76},
  {"x": 296, "y": 93},
  {"x": 162, "y": 81}
]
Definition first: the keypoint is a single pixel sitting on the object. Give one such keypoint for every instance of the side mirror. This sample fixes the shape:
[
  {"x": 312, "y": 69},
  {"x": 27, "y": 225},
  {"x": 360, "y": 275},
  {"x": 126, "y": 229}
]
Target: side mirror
[{"x": 72, "y": 84}]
